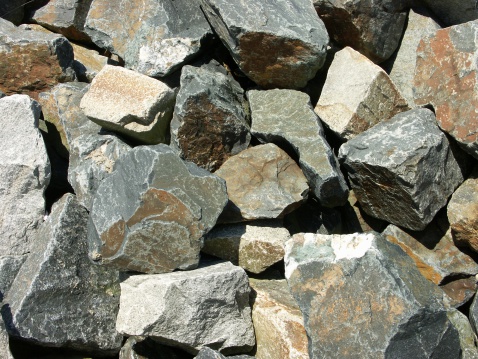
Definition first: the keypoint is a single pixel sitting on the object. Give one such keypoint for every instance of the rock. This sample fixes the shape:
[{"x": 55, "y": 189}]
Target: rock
[
  {"x": 374, "y": 96},
  {"x": 356, "y": 220},
  {"x": 9, "y": 267},
  {"x": 154, "y": 38},
  {"x": 88, "y": 63},
  {"x": 60, "y": 299},
  {"x": 446, "y": 78},
  {"x": 467, "y": 337},
  {"x": 453, "y": 12},
  {"x": 473, "y": 316},
  {"x": 278, "y": 322},
  {"x": 209, "y": 124},
  {"x": 372, "y": 27},
  {"x": 402, "y": 170},
  {"x": 150, "y": 213},
  {"x": 147, "y": 348},
  {"x": 254, "y": 246},
  {"x": 361, "y": 297},
  {"x": 208, "y": 306},
  {"x": 129, "y": 103},
  {"x": 252, "y": 31},
  {"x": 12, "y": 10},
  {"x": 208, "y": 353},
  {"x": 286, "y": 118},
  {"x": 4, "y": 342},
  {"x": 42, "y": 59},
  {"x": 24, "y": 174},
  {"x": 262, "y": 182}
]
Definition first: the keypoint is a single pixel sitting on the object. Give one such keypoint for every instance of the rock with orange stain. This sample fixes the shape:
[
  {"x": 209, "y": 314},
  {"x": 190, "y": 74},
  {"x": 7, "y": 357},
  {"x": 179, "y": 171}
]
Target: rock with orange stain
[
  {"x": 150, "y": 213},
  {"x": 275, "y": 43},
  {"x": 402, "y": 170},
  {"x": 362, "y": 297}
]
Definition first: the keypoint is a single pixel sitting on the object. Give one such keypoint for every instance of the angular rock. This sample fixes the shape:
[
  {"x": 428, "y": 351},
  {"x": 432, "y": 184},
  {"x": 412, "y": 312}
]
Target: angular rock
[
  {"x": 453, "y": 12},
  {"x": 254, "y": 246},
  {"x": 42, "y": 59},
  {"x": 473, "y": 316},
  {"x": 24, "y": 174},
  {"x": 372, "y": 27},
  {"x": 208, "y": 306},
  {"x": 147, "y": 348},
  {"x": 60, "y": 299},
  {"x": 361, "y": 297},
  {"x": 286, "y": 118},
  {"x": 374, "y": 96},
  {"x": 402, "y": 170},
  {"x": 252, "y": 31},
  {"x": 278, "y": 322},
  {"x": 12, "y": 10},
  {"x": 262, "y": 182},
  {"x": 154, "y": 38},
  {"x": 150, "y": 213},
  {"x": 9, "y": 267},
  {"x": 129, "y": 103},
  {"x": 468, "y": 338},
  {"x": 446, "y": 77},
  {"x": 88, "y": 63},
  {"x": 209, "y": 123},
  {"x": 4, "y": 342}
]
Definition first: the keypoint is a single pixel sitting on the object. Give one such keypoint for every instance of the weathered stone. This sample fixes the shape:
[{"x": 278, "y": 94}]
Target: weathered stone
[
  {"x": 278, "y": 322},
  {"x": 402, "y": 170},
  {"x": 262, "y": 182},
  {"x": 209, "y": 123},
  {"x": 12, "y": 10},
  {"x": 254, "y": 246},
  {"x": 154, "y": 38},
  {"x": 452, "y": 12},
  {"x": 468, "y": 338},
  {"x": 208, "y": 306},
  {"x": 132, "y": 104},
  {"x": 361, "y": 297},
  {"x": 4, "y": 342},
  {"x": 42, "y": 59},
  {"x": 357, "y": 95},
  {"x": 473, "y": 316},
  {"x": 59, "y": 298},
  {"x": 150, "y": 213},
  {"x": 24, "y": 173},
  {"x": 88, "y": 63},
  {"x": 446, "y": 77},
  {"x": 147, "y": 348},
  {"x": 372, "y": 27},
  {"x": 9, "y": 267},
  {"x": 276, "y": 44},
  {"x": 286, "y": 118}
]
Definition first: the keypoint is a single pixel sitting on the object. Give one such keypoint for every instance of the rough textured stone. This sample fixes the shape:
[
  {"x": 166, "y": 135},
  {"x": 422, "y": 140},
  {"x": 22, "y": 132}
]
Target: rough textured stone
[
  {"x": 402, "y": 170},
  {"x": 4, "y": 345},
  {"x": 208, "y": 306},
  {"x": 209, "y": 123},
  {"x": 468, "y": 338},
  {"x": 262, "y": 182},
  {"x": 59, "y": 298},
  {"x": 42, "y": 59},
  {"x": 150, "y": 213},
  {"x": 473, "y": 316},
  {"x": 24, "y": 173},
  {"x": 446, "y": 77},
  {"x": 9, "y": 267},
  {"x": 361, "y": 297},
  {"x": 208, "y": 353},
  {"x": 12, "y": 10},
  {"x": 88, "y": 63},
  {"x": 452, "y": 12},
  {"x": 252, "y": 31},
  {"x": 357, "y": 95},
  {"x": 254, "y": 246},
  {"x": 132, "y": 104},
  {"x": 147, "y": 348},
  {"x": 278, "y": 322}
]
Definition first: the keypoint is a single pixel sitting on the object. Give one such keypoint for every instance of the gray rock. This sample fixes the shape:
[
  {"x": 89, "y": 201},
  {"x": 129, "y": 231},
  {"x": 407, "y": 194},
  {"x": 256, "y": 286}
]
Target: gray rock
[
  {"x": 4, "y": 342},
  {"x": 286, "y": 117},
  {"x": 402, "y": 170},
  {"x": 362, "y": 298},
  {"x": 208, "y": 306},
  {"x": 9, "y": 267},
  {"x": 453, "y": 12},
  {"x": 147, "y": 348},
  {"x": 289, "y": 30},
  {"x": 59, "y": 298},
  {"x": 209, "y": 122},
  {"x": 150, "y": 213},
  {"x": 468, "y": 338},
  {"x": 473, "y": 316},
  {"x": 208, "y": 353},
  {"x": 12, "y": 10}
]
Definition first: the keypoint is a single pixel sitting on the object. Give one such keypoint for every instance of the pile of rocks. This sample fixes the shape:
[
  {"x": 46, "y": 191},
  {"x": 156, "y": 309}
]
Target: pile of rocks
[{"x": 260, "y": 179}]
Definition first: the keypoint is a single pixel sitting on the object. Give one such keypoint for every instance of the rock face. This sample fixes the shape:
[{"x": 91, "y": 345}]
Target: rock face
[
  {"x": 374, "y": 96},
  {"x": 24, "y": 175},
  {"x": 209, "y": 123},
  {"x": 452, "y": 12},
  {"x": 402, "y": 170},
  {"x": 286, "y": 118},
  {"x": 132, "y": 104},
  {"x": 9, "y": 267},
  {"x": 149, "y": 215},
  {"x": 4, "y": 346},
  {"x": 252, "y": 31},
  {"x": 59, "y": 298},
  {"x": 446, "y": 77},
  {"x": 468, "y": 338},
  {"x": 262, "y": 182},
  {"x": 361, "y": 297},
  {"x": 88, "y": 63},
  {"x": 208, "y": 306},
  {"x": 147, "y": 348}
]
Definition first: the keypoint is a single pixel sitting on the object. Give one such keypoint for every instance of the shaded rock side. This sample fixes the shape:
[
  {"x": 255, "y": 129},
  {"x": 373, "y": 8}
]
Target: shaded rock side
[
  {"x": 147, "y": 348},
  {"x": 468, "y": 338},
  {"x": 361, "y": 297},
  {"x": 150, "y": 213},
  {"x": 402, "y": 170},
  {"x": 12, "y": 10},
  {"x": 453, "y": 12},
  {"x": 5, "y": 352},
  {"x": 88, "y": 63},
  {"x": 286, "y": 118},
  {"x": 253, "y": 31}
]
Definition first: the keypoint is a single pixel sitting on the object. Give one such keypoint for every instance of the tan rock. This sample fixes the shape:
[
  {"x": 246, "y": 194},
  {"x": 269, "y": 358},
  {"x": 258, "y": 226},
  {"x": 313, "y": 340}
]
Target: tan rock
[{"x": 88, "y": 62}]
